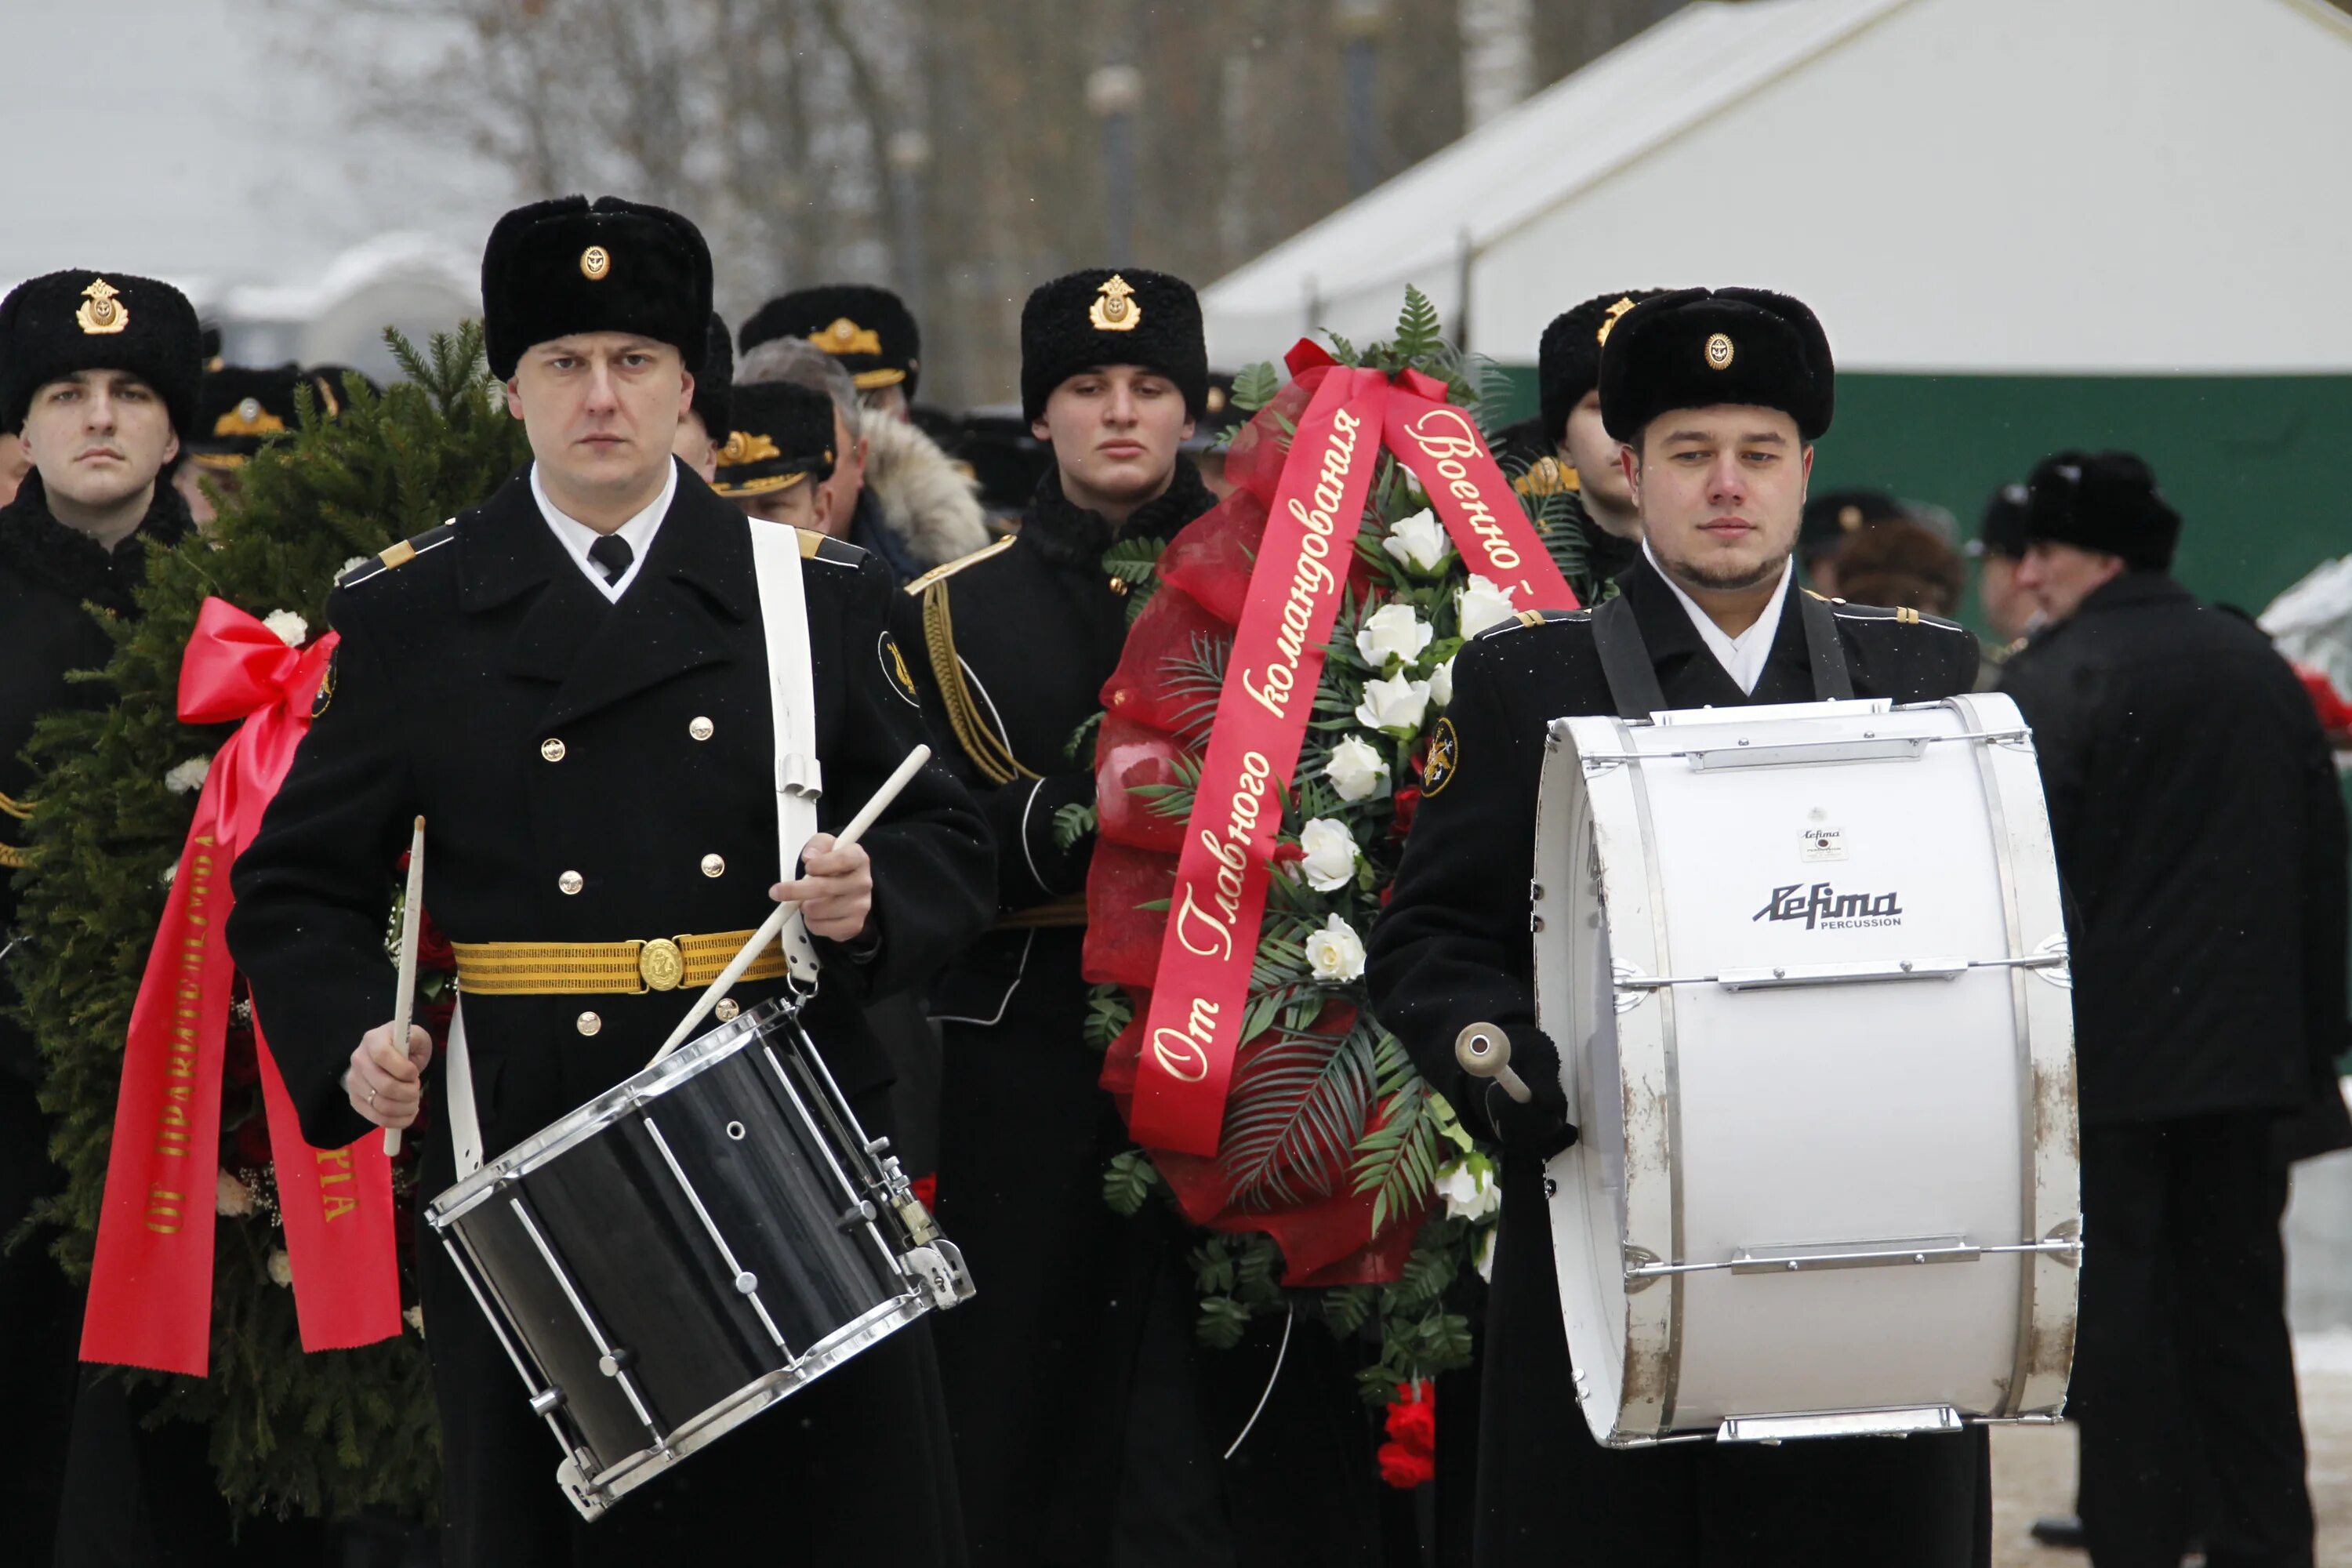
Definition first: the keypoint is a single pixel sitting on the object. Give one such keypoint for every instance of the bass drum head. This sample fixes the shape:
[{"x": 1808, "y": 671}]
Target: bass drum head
[{"x": 1587, "y": 1180}]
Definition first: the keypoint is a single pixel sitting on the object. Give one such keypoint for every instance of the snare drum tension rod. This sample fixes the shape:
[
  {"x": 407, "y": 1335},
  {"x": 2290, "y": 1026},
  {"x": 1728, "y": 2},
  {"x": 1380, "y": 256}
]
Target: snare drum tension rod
[{"x": 1485, "y": 1051}]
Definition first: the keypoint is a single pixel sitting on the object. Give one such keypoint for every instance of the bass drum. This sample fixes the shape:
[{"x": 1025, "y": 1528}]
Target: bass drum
[{"x": 1806, "y": 968}]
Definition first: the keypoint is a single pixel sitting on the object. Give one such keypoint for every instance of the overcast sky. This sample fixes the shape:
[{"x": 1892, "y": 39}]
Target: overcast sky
[{"x": 202, "y": 142}]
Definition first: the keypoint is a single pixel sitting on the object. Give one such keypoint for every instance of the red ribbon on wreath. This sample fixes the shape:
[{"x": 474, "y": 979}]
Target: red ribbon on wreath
[{"x": 151, "y": 1288}]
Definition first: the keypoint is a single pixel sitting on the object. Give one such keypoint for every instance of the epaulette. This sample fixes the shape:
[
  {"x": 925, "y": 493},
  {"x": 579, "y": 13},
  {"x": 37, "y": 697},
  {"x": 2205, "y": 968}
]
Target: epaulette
[
  {"x": 941, "y": 574},
  {"x": 1898, "y": 614},
  {"x": 399, "y": 554},
  {"x": 1535, "y": 619},
  {"x": 1546, "y": 476},
  {"x": 815, "y": 546}
]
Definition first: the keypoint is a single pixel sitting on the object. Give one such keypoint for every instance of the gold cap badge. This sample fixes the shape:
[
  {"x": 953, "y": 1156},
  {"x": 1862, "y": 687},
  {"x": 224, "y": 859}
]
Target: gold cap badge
[
  {"x": 1115, "y": 309},
  {"x": 1718, "y": 351},
  {"x": 102, "y": 311},
  {"x": 249, "y": 418},
  {"x": 595, "y": 263},
  {"x": 1609, "y": 320},
  {"x": 746, "y": 446},
  {"x": 847, "y": 337}
]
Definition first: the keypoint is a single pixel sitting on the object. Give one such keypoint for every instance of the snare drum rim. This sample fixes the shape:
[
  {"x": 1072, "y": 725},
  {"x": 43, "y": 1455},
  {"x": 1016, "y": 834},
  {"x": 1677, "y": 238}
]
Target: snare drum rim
[{"x": 577, "y": 1127}]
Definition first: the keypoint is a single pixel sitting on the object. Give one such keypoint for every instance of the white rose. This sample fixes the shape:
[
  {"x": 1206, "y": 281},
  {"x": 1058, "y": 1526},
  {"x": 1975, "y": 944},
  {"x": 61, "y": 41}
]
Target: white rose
[
  {"x": 1330, "y": 863},
  {"x": 1393, "y": 704},
  {"x": 281, "y": 1267},
  {"x": 171, "y": 873},
  {"x": 1419, "y": 541},
  {"x": 1336, "y": 952},
  {"x": 1441, "y": 683},
  {"x": 1356, "y": 770},
  {"x": 1485, "y": 1261},
  {"x": 231, "y": 1196},
  {"x": 188, "y": 775},
  {"x": 354, "y": 561},
  {"x": 1392, "y": 631},
  {"x": 291, "y": 629},
  {"x": 1469, "y": 1190},
  {"x": 1481, "y": 604}
]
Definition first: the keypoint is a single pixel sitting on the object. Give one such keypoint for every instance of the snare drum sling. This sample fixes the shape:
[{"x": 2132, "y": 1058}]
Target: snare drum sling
[
  {"x": 1455, "y": 948},
  {"x": 600, "y": 778}
]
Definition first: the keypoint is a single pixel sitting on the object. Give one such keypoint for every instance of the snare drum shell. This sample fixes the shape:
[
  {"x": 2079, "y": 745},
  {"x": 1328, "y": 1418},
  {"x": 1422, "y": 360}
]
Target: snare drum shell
[{"x": 1720, "y": 1122}]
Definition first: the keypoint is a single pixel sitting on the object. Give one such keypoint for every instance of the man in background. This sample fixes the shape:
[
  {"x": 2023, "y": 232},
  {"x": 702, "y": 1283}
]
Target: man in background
[{"x": 2201, "y": 836}]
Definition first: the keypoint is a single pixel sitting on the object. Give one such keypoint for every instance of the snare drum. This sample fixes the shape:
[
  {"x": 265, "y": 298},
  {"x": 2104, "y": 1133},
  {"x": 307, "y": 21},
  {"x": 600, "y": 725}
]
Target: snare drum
[
  {"x": 1806, "y": 968},
  {"x": 695, "y": 1245}
]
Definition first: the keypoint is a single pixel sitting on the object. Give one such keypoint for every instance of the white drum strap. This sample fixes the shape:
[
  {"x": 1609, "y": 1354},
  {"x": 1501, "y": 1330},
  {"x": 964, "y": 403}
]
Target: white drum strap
[
  {"x": 457, "y": 1088},
  {"x": 792, "y": 695}
]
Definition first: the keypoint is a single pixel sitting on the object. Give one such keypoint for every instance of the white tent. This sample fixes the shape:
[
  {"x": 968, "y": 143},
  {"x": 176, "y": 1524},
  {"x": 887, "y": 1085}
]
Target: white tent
[{"x": 2096, "y": 186}]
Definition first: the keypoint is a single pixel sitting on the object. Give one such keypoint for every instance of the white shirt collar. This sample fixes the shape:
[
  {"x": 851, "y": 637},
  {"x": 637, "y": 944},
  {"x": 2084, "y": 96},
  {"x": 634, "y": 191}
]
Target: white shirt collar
[
  {"x": 1742, "y": 656},
  {"x": 576, "y": 536}
]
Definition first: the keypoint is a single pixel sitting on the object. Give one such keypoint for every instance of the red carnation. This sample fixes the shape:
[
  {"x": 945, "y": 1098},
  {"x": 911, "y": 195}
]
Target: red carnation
[
  {"x": 433, "y": 951},
  {"x": 1403, "y": 1469},
  {"x": 1407, "y": 801},
  {"x": 1413, "y": 1420},
  {"x": 926, "y": 1188},
  {"x": 1287, "y": 852}
]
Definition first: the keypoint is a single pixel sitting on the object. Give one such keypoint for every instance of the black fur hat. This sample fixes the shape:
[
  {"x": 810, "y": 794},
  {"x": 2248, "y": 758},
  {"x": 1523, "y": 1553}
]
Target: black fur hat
[
  {"x": 241, "y": 406},
  {"x": 2105, "y": 501},
  {"x": 564, "y": 265},
  {"x": 783, "y": 434},
  {"x": 714, "y": 383},
  {"x": 1696, "y": 348},
  {"x": 1103, "y": 316},
  {"x": 1568, "y": 365},
  {"x": 2002, "y": 531},
  {"x": 868, "y": 330},
  {"x": 61, "y": 322}
]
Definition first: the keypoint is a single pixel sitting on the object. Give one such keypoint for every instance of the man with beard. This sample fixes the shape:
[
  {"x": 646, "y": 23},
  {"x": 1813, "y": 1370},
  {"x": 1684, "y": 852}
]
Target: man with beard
[
  {"x": 1716, "y": 398},
  {"x": 98, "y": 373},
  {"x": 1090, "y": 1425},
  {"x": 1565, "y": 461},
  {"x": 571, "y": 682}
]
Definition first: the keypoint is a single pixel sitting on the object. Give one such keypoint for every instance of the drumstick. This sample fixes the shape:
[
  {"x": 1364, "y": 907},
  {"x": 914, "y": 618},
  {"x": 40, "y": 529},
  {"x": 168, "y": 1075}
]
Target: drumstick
[
  {"x": 774, "y": 926},
  {"x": 411, "y": 907},
  {"x": 1485, "y": 1051}
]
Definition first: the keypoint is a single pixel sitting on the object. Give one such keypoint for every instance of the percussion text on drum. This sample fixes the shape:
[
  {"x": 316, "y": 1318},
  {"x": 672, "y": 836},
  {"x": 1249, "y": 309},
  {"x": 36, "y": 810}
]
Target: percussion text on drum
[{"x": 1823, "y": 907}]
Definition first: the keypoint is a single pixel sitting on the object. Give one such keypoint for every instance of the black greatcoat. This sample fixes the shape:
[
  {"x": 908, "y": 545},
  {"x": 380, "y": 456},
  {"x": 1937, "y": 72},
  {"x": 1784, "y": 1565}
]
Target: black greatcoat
[
  {"x": 1453, "y": 949},
  {"x": 1089, "y": 1424},
  {"x": 454, "y": 670}
]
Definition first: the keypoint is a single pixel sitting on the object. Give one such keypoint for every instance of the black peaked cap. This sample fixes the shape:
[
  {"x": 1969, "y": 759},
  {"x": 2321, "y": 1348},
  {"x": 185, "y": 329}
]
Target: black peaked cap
[
  {"x": 714, "y": 383},
  {"x": 1106, "y": 316},
  {"x": 61, "y": 322},
  {"x": 1696, "y": 348},
  {"x": 566, "y": 266},
  {"x": 241, "y": 406},
  {"x": 869, "y": 329},
  {"x": 783, "y": 434},
  {"x": 1568, "y": 364},
  {"x": 2105, "y": 501}
]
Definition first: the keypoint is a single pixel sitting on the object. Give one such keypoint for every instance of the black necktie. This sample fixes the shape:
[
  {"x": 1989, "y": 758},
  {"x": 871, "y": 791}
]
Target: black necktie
[{"x": 612, "y": 553}]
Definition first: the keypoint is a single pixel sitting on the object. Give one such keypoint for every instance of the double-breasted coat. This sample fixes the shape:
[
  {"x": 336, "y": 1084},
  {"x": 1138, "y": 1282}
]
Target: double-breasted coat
[
  {"x": 595, "y": 771},
  {"x": 1454, "y": 948}
]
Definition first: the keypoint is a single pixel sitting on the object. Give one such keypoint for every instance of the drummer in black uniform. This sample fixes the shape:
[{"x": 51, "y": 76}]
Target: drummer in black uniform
[
  {"x": 1089, "y": 1423},
  {"x": 569, "y": 683},
  {"x": 1717, "y": 397}
]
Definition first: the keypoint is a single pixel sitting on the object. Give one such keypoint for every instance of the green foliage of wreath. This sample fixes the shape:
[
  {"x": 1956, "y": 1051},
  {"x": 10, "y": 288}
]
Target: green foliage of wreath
[{"x": 324, "y": 1435}]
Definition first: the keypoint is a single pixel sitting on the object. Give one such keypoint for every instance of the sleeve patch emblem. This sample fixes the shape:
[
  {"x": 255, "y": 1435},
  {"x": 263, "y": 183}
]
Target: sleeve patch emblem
[
  {"x": 327, "y": 683},
  {"x": 1444, "y": 760}
]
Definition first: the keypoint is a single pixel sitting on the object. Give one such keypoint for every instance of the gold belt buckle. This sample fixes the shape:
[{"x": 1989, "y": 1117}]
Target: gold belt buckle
[{"x": 660, "y": 965}]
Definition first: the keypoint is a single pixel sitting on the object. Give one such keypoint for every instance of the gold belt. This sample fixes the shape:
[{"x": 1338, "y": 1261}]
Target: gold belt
[{"x": 628, "y": 968}]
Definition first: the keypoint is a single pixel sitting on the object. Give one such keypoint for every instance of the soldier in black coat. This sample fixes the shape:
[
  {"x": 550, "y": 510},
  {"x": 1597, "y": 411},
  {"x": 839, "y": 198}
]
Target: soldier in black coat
[
  {"x": 100, "y": 373},
  {"x": 1718, "y": 398},
  {"x": 2200, "y": 831},
  {"x": 1089, "y": 1424},
  {"x": 582, "y": 716}
]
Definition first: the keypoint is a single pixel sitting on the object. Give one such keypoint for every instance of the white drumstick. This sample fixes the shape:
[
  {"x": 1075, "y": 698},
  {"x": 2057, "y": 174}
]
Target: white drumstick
[
  {"x": 1485, "y": 1051},
  {"x": 411, "y": 907},
  {"x": 773, "y": 927}
]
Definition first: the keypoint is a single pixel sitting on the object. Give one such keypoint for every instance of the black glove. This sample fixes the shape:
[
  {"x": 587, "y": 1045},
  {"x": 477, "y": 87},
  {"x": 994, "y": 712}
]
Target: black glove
[{"x": 1540, "y": 1128}]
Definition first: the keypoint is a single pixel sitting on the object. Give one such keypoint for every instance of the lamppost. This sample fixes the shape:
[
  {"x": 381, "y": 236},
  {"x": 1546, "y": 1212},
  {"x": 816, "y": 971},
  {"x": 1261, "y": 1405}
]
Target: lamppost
[
  {"x": 1114, "y": 93},
  {"x": 1361, "y": 24},
  {"x": 908, "y": 152}
]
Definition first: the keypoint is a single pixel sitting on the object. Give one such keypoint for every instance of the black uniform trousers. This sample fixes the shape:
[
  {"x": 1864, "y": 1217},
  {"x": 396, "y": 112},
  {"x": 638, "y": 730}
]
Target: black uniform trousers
[
  {"x": 2180, "y": 1225},
  {"x": 40, "y": 1313},
  {"x": 1090, "y": 1423}
]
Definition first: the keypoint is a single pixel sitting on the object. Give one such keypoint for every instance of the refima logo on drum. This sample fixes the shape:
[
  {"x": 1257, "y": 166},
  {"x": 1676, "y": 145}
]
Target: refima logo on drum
[{"x": 1824, "y": 908}]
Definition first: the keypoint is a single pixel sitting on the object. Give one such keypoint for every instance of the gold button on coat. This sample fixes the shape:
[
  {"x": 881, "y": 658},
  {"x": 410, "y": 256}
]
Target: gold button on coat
[
  {"x": 551, "y": 749},
  {"x": 588, "y": 1022},
  {"x": 572, "y": 881},
  {"x": 701, "y": 729},
  {"x": 713, "y": 866},
  {"x": 727, "y": 1009}
]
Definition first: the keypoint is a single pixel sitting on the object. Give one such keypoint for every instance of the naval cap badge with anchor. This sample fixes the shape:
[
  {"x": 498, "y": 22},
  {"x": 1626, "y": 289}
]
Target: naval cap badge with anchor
[
  {"x": 1114, "y": 309},
  {"x": 102, "y": 311}
]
